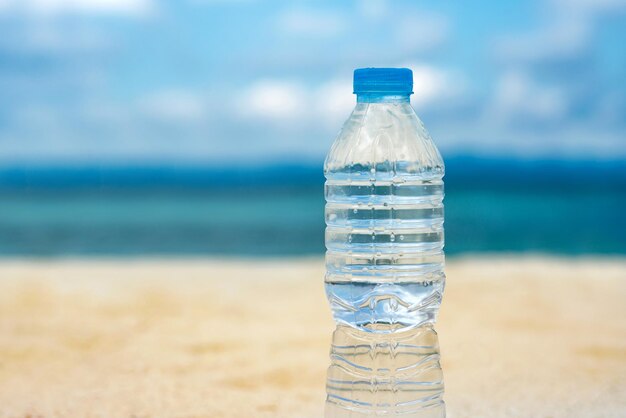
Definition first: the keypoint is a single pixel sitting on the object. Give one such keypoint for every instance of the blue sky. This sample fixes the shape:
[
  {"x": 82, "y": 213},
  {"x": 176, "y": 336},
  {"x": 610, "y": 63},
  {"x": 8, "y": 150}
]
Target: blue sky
[{"x": 218, "y": 80}]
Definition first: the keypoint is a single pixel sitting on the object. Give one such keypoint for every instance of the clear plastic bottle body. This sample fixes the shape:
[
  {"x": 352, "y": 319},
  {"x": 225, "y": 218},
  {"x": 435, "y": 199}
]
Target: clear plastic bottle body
[{"x": 384, "y": 217}]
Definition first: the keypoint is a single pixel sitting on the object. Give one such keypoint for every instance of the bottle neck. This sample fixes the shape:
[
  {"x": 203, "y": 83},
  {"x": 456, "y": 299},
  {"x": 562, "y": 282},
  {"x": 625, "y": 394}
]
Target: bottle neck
[{"x": 382, "y": 98}]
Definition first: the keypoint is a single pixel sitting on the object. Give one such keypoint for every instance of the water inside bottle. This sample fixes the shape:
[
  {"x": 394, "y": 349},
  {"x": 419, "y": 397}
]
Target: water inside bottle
[{"x": 384, "y": 242}]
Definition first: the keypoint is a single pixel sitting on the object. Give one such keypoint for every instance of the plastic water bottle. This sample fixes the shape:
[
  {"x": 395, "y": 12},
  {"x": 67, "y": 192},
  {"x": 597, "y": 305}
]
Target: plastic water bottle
[{"x": 384, "y": 240}]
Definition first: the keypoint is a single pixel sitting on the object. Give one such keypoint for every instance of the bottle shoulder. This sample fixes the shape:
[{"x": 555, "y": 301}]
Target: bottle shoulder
[{"x": 387, "y": 139}]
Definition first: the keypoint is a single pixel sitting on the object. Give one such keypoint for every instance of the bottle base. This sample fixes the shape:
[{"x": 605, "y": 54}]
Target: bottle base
[{"x": 385, "y": 374}]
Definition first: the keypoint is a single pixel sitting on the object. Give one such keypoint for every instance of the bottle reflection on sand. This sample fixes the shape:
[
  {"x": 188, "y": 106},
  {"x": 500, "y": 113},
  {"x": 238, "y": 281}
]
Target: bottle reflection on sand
[{"x": 388, "y": 374}]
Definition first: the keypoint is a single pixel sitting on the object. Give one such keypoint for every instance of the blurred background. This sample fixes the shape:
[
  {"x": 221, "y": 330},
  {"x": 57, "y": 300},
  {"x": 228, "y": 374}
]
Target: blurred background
[{"x": 199, "y": 127}]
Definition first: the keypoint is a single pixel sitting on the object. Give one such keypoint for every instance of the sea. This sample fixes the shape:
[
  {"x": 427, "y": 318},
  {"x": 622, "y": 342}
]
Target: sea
[{"x": 492, "y": 205}]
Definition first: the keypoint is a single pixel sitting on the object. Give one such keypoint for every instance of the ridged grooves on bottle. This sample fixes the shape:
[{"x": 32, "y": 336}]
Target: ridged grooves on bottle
[
  {"x": 384, "y": 240},
  {"x": 394, "y": 374}
]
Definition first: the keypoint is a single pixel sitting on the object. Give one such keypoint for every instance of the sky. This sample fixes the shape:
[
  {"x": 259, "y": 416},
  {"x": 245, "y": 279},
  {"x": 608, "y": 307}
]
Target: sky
[{"x": 218, "y": 81}]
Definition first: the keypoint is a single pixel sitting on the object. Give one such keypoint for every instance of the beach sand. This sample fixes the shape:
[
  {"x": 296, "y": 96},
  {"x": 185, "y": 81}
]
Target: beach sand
[{"x": 519, "y": 336}]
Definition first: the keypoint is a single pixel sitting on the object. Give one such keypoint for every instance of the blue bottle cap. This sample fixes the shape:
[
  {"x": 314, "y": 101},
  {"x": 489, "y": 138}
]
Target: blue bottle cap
[{"x": 383, "y": 81}]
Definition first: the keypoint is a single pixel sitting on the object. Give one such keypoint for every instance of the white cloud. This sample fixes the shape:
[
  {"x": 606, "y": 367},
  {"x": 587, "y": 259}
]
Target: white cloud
[
  {"x": 311, "y": 23},
  {"x": 517, "y": 97},
  {"x": 54, "y": 7},
  {"x": 289, "y": 101},
  {"x": 273, "y": 99},
  {"x": 429, "y": 84}
]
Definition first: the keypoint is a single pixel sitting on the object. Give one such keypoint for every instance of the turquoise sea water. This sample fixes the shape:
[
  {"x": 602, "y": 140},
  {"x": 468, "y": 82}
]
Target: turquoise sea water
[{"x": 490, "y": 206}]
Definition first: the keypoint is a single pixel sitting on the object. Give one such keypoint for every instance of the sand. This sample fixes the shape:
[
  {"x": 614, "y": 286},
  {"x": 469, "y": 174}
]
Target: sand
[{"x": 520, "y": 337}]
